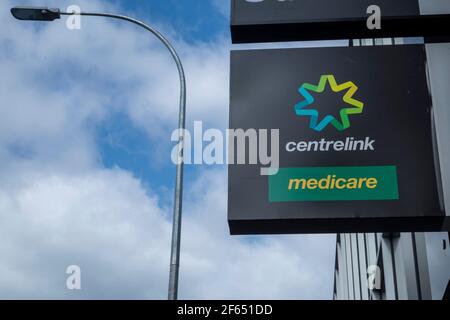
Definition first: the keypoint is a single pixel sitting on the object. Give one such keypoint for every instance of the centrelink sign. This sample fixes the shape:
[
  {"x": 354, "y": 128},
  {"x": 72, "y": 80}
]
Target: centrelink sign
[{"x": 356, "y": 141}]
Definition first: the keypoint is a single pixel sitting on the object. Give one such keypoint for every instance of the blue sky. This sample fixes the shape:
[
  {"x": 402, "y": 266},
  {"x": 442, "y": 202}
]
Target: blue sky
[
  {"x": 197, "y": 20},
  {"x": 86, "y": 177}
]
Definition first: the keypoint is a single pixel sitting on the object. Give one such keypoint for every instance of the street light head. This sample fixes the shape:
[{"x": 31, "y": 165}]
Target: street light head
[{"x": 35, "y": 13}]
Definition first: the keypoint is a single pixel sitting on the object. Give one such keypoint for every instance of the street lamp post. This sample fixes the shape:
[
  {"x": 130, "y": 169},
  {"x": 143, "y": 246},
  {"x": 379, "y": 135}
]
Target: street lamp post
[{"x": 46, "y": 14}]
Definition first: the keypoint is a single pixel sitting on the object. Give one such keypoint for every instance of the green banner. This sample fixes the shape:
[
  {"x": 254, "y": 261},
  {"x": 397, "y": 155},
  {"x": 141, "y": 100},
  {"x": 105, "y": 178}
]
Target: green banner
[{"x": 334, "y": 183}]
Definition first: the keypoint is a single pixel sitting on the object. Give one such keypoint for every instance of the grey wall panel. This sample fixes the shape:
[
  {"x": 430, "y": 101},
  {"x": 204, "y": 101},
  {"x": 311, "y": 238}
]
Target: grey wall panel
[
  {"x": 342, "y": 282},
  {"x": 372, "y": 253},
  {"x": 434, "y": 6},
  {"x": 356, "y": 264},
  {"x": 422, "y": 266},
  {"x": 363, "y": 266},
  {"x": 438, "y": 56},
  {"x": 438, "y": 262},
  {"x": 371, "y": 245},
  {"x": 407, "y": 284},
  {"x": 348, "y": 251},
  {"x": 390, "y": 283}
]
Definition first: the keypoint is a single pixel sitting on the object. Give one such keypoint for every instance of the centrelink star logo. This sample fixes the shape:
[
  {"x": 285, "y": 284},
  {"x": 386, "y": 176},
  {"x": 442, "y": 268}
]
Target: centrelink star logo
[{"x": 340, "y": 124}]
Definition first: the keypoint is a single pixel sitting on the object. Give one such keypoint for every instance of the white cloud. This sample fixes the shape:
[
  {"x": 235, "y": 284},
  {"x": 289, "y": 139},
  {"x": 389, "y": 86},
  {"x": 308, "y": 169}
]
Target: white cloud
[
  {"x": 102, "y": 221},
  {"x": 59, "y": 206},
  {"x": 108, "y": 224}
]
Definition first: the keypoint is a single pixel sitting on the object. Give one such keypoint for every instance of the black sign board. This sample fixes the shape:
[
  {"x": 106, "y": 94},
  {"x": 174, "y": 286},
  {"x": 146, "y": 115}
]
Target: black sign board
[
  {"x": 355, "y": 141},
  {"x": 291, "y": 20}
]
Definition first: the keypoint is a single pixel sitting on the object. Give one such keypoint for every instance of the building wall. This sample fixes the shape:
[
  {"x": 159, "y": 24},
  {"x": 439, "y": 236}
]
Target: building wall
[
  {"x": 410, "y": 265},
  {"x": 438, "y": 56},
  {"x": 382, "y": 267}
]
